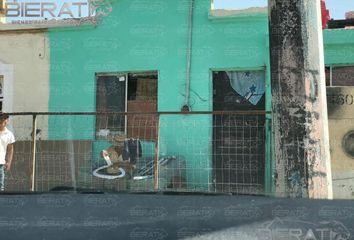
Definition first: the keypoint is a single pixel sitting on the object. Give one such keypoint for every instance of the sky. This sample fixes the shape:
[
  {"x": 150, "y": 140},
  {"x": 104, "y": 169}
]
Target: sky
[{"x": 337, "y": 8}]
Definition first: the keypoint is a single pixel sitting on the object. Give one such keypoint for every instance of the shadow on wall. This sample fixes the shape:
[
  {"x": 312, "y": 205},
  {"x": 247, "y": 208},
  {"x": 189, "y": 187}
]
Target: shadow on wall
[{"x": 54, "y": 161}]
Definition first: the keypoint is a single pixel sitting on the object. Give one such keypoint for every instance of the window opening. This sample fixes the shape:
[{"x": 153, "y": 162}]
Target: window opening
[
  {"x": 339, "y": 76},
  {"x": 328, "y": 76},
  {"x": 131, "y": 92}
]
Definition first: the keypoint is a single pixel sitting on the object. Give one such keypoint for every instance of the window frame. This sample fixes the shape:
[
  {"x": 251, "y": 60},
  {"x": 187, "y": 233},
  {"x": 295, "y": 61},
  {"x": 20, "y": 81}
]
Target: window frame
[
  {"x": 126, "y": 75},
  {"x": 331, "y": 67}
]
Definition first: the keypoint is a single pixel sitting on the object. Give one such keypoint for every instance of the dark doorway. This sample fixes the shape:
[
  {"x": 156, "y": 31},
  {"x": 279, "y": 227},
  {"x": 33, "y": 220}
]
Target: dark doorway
[
  {"x": 239, "y": 140},
  {"x": 110, "y": 97}
]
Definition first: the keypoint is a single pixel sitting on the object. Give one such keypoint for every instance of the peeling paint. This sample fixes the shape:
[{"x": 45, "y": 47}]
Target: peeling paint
[{"x": 297, "y": 101}]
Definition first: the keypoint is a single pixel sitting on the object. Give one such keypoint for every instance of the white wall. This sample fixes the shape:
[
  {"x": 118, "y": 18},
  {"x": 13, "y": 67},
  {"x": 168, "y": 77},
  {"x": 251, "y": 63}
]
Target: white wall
[
  {"x": 24, "y": 62},
  {"x": 2, "y": 17}
]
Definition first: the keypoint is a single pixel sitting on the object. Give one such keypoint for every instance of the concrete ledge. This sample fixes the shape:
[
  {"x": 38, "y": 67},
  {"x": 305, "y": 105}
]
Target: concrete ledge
[
  {"x": 223, "y": 14},
  {"x": 33, "y": 25}
]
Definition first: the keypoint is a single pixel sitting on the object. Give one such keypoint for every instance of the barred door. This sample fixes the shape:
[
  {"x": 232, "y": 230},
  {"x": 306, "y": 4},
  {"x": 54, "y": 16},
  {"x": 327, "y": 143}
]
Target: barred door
[{"x": 238, "y": 139}]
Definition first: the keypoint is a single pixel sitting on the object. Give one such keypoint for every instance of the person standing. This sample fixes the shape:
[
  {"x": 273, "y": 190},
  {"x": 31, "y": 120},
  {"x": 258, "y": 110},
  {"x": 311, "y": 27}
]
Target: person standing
[{"x": 6, "y": 148}]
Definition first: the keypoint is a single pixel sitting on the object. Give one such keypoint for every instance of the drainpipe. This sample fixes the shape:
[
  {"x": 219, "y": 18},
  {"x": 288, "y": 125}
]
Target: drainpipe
[{"x": 186, "y": 107}]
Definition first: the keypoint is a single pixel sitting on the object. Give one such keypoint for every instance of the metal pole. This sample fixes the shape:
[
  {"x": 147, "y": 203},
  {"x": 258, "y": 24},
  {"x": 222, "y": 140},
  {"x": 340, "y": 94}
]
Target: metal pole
[
  {"x": 156, "y": 166},
  {"x": 300, "y": 121},
  {"x": 186, "y": 106},
  {"x": 33, "y": 167}
]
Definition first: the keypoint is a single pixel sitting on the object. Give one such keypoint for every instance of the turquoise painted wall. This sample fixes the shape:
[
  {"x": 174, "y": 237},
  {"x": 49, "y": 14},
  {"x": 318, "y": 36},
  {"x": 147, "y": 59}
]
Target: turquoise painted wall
[
  {"x": 339, "y": 46},
  {"x": 152, "y": 35}
]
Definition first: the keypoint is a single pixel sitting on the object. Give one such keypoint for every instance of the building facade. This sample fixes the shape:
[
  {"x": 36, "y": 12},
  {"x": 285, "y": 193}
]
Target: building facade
[{"x": 143, "y": 57}]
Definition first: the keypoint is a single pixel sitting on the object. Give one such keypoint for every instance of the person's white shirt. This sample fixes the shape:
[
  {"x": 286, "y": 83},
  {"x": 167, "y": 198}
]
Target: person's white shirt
[{"x": 6, "y": 138}]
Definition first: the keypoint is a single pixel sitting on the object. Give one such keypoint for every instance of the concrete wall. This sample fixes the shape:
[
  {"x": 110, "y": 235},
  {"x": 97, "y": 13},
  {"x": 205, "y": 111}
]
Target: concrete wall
[
  {"x": 152, "y": 35},
  {"x": 2, "y": 14},
  {"x": 143, "y": 36},
  {"x": 339, "y": 46},
  {"x": 341, "y": 125},
  {"x": 339, "y": 51},
  {"x": 58, "y": 164},
  {"x": 24, "y": 60}
]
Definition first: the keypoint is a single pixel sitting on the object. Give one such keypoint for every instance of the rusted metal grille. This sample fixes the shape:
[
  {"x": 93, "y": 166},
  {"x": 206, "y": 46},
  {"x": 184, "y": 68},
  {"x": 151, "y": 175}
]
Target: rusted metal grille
[{"x": 222, "y": 152}]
